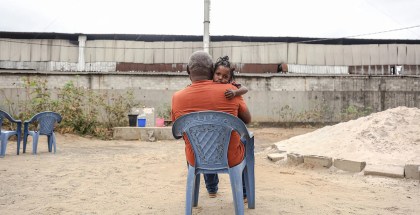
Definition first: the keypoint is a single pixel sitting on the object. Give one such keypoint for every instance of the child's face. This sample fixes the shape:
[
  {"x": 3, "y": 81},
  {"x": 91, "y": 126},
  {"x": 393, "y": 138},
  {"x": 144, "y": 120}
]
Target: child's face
[{"x": 222, "y": 75}]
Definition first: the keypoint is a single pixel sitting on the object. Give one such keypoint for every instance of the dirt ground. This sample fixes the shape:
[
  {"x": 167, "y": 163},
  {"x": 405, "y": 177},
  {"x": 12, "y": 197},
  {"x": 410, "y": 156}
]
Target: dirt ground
[{"x": 90, "y": 176}]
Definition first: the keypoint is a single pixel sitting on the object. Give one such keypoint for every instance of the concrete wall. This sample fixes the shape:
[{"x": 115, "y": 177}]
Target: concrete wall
[{"x": 271, "y": 97}]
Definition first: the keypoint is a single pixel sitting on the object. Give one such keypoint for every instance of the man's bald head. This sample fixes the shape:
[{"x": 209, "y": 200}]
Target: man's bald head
[{"x": 200, "y": 66}]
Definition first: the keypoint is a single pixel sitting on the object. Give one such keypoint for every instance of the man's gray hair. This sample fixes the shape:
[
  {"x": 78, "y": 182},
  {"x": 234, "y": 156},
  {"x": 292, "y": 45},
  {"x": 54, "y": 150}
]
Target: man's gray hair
[{"x": 200, "y": 63}]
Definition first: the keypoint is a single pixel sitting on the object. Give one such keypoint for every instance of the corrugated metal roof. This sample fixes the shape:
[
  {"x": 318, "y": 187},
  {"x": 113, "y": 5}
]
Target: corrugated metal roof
[{"x": 193, "y": 38}]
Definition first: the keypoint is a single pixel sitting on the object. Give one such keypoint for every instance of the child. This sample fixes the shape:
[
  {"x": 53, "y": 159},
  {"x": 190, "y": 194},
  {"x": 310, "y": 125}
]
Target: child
[{"x": 223, "y": 73}]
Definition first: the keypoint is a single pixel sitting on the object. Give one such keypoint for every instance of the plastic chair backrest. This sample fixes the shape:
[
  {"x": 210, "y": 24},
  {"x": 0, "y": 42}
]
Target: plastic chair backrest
[
  {"x": 5, "y": 115},
  {"x": 209, "y": 134},
  {"x": 46, "y": 121}
]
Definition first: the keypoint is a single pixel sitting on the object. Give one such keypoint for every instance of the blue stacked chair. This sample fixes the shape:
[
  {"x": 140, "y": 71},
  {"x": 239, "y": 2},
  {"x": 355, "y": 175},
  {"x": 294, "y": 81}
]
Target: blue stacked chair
[
  {"x": 45, "y": 126},
  {"x": 5, "y": 134}
]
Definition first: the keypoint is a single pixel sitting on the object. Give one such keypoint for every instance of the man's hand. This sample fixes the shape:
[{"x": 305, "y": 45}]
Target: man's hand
[{"x": 229, "y": 94}]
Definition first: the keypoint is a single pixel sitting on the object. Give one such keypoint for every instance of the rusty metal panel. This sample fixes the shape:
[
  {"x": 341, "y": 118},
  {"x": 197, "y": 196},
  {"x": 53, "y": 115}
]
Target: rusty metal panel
[
  {"x": 302, "y": 54},
  {"x": 374, "y": 54},
  {"x": 258, "y": 68},
  {"x": 402, "y": 53},
  {"x": 292, "y": 53},
  {"x": 392, "y": 54}
]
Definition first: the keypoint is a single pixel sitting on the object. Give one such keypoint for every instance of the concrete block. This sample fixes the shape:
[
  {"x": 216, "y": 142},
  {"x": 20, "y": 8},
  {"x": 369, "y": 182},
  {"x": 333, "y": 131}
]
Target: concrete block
[
  {"x": 143, "y": 133},
  {"x": 385, "y": 170},
  {"x": 348, "y": 165},
  {"x": 295, "y": 159},
  {"x": 412, "y": 171},
  {"x": 275, "y": 157},
  {"x": 126, "y": 133},
  {"x": 317, "y": 161}
]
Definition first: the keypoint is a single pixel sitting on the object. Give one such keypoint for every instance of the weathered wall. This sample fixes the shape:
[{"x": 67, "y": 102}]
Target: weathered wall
[{"x": 271, "y": 97}]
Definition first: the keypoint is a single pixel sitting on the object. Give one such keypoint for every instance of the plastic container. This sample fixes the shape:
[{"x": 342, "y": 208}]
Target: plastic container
[
  {"x": 141, "y": 122},
  {"x": 132, "y": 120},
  {"x": 160, "y": 122}
]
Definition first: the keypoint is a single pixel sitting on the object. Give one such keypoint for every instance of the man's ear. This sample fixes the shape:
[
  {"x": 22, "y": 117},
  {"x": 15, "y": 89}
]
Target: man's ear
[{"x": 188, "y": 70}]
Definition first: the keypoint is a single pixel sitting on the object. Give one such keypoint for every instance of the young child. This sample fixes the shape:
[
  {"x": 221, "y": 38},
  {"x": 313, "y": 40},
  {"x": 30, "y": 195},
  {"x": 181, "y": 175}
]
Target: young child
[{"x": 223, "y": 73}]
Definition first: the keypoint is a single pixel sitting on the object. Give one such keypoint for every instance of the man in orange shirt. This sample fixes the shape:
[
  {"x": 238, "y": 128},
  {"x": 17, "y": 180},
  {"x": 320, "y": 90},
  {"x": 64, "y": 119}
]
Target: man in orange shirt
[{"x": 204, "y": 94}]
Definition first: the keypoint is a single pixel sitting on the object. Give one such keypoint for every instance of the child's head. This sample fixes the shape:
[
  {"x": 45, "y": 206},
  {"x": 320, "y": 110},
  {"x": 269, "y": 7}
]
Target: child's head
[{"x": 223, "y": 72}]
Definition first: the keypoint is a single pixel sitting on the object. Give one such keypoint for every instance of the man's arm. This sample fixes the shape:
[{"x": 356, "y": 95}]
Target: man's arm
[{"x": 244, "y": 113}]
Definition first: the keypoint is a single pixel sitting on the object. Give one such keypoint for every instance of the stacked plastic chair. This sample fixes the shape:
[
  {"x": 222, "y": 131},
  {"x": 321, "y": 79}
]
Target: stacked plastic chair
[
  {"x": 45, "y": 126},
  {"x": 209, "y": 134},
  {"x": 5, "y": 134}
]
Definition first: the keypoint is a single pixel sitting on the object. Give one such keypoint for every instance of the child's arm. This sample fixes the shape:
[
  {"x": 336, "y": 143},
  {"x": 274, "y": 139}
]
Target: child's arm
[{"x": 229, "y": 94}]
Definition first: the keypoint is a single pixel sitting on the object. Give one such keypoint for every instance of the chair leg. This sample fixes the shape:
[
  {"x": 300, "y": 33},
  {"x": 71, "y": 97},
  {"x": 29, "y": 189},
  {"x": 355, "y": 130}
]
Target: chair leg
[
  {"x": 3, "y": 143},
  {"x": 196, "y": 190},
  {"x": 18, "y": 143},
  {"x": 49, "y": 143},
  {"x": 35, "y": 143},
  {"x": 25, "y": 140},
  {"x": 190, "y": 190},
  {"x": 235, "y": 175},
  {"x": 250, "y": 186},
  {"x": 54, "y": 143}
]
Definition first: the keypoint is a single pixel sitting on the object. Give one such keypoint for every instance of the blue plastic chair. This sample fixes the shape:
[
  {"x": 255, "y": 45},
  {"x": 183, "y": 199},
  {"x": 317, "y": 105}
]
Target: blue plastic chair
[
  {"x": 46, "y": 121},
  {"x": 5, "y": 134},
  {"x": 209, "y": 134}
]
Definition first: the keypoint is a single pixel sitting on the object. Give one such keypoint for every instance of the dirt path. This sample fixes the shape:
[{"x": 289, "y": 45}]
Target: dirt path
[{"x": 89, "y": 176}]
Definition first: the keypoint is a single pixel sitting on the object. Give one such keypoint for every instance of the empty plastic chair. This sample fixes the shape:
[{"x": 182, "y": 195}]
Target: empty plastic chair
[
  {"x": 46, "y": 121},
  {"x": 5, "y": 134},
  {"x": 209, "y": 134}
]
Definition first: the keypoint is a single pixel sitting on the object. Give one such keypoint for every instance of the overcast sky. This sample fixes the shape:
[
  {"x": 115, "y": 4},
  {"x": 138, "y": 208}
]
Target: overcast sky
[{"x": 300, "y": 18}]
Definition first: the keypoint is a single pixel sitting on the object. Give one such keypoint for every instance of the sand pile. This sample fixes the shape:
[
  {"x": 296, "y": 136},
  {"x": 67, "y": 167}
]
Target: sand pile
[{"x": 387, "y": 137}]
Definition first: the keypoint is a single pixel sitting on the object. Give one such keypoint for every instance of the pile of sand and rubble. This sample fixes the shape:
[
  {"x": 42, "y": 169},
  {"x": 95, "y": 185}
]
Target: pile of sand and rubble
[{"x": 387, "y": 137}]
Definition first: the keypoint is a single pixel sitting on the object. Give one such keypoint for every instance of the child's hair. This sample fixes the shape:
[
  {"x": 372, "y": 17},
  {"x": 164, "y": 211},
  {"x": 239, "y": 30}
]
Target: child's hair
[{"x": 224, "y": 61}]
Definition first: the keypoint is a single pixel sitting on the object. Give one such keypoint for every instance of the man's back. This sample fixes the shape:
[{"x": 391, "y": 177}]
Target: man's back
[{"x": 207, "y": 95}]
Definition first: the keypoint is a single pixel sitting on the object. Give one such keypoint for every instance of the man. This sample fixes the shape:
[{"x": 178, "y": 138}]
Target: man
[{"x": 204, "y": 94}]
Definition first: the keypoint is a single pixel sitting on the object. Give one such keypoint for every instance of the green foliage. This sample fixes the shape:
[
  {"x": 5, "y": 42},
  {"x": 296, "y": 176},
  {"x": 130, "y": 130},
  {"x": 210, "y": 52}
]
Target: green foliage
[
  {"x": 354, "y": 112},
  {"x": 164, "y": 111},
  {"x": 80, "y": 108}
]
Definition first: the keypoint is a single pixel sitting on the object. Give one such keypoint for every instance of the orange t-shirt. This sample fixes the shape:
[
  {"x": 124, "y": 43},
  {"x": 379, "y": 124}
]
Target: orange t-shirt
[{"x": 208, "y": 95}]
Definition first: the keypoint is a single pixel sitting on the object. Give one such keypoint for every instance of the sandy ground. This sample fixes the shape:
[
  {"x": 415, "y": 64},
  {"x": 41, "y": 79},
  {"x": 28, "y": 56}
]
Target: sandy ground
[{"x": 89, "y": 176}]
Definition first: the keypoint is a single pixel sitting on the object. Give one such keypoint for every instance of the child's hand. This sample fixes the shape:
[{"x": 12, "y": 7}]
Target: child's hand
[{"x": 229, "y": 94}]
